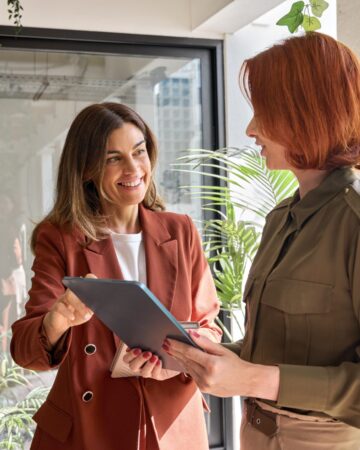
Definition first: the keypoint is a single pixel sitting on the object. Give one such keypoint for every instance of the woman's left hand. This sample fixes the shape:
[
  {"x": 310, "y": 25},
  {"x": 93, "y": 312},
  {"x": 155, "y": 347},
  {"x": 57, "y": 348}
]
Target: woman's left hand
[
  {"x": 147, "y": 365},
  {"x": 221, "y": 372}
]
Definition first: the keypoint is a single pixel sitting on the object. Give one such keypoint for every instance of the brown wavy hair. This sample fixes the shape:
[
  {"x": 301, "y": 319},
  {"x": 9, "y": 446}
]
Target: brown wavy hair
[
  {"x": 305, "y": 92},
  {"x": 81, "y": 170}
]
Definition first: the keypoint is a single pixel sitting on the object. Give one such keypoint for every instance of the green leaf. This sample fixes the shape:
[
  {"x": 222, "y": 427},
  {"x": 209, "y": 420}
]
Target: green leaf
[
  {"x": 292, "y": 23},
  {"x": 318, "y": 7},
  {"x": 296, "y": 8},
  {"x": 311, "y": 23},
  {"x": 294, "y": 17}
]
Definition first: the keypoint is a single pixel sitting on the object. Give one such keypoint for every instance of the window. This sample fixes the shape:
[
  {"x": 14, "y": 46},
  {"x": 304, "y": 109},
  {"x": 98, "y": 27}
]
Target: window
[{"x": 46, "y": 77}]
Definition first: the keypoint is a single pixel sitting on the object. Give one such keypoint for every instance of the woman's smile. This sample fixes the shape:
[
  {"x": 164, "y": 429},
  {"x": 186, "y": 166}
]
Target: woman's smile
[{"x": 131, "y": 184}]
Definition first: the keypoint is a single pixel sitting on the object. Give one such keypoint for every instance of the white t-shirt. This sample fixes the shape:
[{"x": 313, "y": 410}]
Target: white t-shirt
[{"x": 130, "y": 253}]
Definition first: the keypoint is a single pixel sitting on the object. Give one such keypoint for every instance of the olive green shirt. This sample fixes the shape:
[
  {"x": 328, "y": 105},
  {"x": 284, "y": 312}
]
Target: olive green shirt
[{"x": 303, "y": 299}]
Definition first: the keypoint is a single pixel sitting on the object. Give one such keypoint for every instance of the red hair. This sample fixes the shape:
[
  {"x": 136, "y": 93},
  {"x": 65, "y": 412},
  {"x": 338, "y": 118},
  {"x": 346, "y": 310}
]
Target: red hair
[{"x": 305, "y": 93}]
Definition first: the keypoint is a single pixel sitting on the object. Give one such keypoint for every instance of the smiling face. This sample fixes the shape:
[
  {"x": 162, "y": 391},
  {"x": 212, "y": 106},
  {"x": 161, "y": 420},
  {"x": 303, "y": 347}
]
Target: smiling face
[
  {"x": 273, "y": 152},
  {"x": 127, "y": 172}
]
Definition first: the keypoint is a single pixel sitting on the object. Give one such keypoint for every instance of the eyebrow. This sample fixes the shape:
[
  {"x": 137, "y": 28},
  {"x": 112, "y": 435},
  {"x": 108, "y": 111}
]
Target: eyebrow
[{"x": 134, "y": 147}]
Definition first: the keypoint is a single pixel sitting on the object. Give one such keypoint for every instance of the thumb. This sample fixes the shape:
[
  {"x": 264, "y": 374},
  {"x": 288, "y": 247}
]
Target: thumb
[{"x": 206, "y": 344}]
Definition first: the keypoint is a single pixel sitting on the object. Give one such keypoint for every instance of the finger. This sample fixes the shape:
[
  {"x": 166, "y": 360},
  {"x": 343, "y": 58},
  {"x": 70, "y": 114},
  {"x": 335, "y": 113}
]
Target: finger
[
  {"x": 206, "y": 344},
  {"x": 185, "y": 352},
  {"x": 146, "y": 370},
  {"x": 139, "y": 361},
  {"x": 195, "y": 371},
  {"x": 157, "y": 370},
  {"x": 132, "y": 354},
  {"x": 65, "y": 310},
  {"x": 80, "y": 308}
]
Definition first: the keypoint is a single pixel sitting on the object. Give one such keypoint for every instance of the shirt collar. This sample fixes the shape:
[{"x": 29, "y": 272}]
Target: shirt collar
[{"x": 301, "y": 209}]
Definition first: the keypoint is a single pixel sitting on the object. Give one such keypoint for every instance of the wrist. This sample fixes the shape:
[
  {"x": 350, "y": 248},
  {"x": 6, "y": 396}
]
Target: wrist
[
  {"x": 52, "y": 333},
  {"x": 264, "y": 381}
]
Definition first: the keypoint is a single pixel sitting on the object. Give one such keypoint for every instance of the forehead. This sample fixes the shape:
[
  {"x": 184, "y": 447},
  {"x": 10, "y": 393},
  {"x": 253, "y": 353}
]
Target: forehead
[{"x": 124, "y": 138}]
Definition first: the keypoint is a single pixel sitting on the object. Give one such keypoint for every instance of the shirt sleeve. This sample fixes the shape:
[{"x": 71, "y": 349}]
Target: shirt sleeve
[
  {"x": 206, "y": 305},
  {"x": 29, "y": 344},
  {"x": 332, "y": 390}
]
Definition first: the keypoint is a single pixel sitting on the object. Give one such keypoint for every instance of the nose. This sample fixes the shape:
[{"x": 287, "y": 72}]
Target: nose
[
  {"x": 251, "y": 129},
  {"x": 130, "y": 165}
]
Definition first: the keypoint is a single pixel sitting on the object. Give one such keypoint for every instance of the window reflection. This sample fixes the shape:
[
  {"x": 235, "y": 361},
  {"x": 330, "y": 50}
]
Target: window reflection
[{"x": 41, "y": 92}]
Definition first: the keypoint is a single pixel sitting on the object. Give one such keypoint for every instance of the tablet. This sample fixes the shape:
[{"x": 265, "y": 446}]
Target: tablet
[{"x": 133, "y": 313}]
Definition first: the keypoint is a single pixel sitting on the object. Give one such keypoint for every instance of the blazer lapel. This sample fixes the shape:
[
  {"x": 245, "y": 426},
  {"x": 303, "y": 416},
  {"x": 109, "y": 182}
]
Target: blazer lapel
[
  {"x": 102, "y": 259},
  {"x": 161, "y": 256},
  {"x": 103, "y": 262}
]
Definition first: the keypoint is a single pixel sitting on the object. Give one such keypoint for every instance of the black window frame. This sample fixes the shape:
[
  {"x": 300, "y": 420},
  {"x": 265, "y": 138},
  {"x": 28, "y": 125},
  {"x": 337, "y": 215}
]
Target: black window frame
[{"x": 210, "y": 53}]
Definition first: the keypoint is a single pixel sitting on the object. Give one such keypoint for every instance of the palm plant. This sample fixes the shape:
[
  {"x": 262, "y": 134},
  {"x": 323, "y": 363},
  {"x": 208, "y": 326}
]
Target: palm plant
[
  {"x": 244, "y": 192},
  {"x": 16, "y": 424}
]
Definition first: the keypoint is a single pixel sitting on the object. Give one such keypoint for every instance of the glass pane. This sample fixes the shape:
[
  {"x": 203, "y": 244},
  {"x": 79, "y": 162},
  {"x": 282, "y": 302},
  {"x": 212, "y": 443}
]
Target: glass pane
[{"x": 41, "y": 92}]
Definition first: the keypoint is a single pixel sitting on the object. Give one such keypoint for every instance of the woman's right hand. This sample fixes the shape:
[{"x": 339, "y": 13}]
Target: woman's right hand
[{"x": 66, "y": 312}]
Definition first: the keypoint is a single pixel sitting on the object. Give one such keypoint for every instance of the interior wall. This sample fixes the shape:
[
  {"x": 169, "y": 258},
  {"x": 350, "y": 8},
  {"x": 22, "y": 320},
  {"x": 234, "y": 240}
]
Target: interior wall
[
  {"x": 348, "y": 14},
  {"x": 185, "y": 18},
  {"x": 158, "y": 17}
]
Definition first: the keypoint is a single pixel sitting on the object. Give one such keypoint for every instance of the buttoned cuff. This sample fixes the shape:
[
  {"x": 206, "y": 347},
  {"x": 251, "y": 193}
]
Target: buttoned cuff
[
  {"x": 55, "y": 353},
  {"x": 303, "y": 387}
]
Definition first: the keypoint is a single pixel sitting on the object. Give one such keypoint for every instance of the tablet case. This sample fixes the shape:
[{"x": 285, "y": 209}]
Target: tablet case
[{"x": 133, "y": 313}]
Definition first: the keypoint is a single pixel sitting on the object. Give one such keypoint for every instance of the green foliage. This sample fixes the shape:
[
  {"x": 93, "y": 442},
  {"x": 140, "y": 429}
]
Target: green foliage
[
  {"x": 16, "y": 420},
  {"x": 304, "y": 15},
  {"x": 11, "y": 374},
  {"x": 16, "y": 424},
  {"x": 15, "y": 12},
  {"x": 318, "y": 7},
  {"x": 311, "y": 23},
  {"x": 246, "y": 192}
]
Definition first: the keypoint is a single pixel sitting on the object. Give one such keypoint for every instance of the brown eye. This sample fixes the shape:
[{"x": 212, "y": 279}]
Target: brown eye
[{"x": 113, "y": 160}]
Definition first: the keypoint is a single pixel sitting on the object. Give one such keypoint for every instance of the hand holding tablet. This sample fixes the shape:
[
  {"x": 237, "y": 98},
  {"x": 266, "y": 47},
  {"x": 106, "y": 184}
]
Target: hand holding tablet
[{"x": 133, "y": 313}]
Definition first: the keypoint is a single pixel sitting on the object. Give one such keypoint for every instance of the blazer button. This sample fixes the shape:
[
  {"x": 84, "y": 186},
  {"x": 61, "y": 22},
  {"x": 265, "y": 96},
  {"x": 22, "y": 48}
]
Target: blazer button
[
  {"x": 90, "y": 349},
  {"x": 87, "y": 396}
]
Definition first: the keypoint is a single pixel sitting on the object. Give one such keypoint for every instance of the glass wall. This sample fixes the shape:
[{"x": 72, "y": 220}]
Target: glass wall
[{"x": 41, "y": 91}]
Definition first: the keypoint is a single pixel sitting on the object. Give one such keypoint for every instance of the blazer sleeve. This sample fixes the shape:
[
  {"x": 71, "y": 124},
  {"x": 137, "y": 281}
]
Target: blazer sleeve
[
  {"x": 333, "y": 390},
  {"x": 206, "y": 305},
  {"x": 29, "y": 345}
]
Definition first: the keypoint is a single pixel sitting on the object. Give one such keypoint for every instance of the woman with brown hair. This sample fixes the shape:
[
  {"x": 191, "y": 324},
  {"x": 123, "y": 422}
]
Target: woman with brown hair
[
  {"x": 298, "y": 366},
  {"x": 108, "y": 220}
]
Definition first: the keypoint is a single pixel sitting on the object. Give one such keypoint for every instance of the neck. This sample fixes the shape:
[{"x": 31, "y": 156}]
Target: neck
[
  {"x": 309, "y": 179},
  {"x": 124, "y": 220}
]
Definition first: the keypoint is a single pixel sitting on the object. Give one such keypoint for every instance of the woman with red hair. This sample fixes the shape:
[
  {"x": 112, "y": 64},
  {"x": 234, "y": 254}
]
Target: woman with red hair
[{"x": 298, "y": 366}]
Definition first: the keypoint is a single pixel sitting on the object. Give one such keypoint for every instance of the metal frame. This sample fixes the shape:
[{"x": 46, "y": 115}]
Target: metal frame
[{"x": 210, "y": 53}]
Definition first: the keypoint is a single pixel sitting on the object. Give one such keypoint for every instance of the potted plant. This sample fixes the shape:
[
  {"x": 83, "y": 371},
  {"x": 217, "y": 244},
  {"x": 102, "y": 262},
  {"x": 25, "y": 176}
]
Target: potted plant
[{"x": 244, "y": 192}]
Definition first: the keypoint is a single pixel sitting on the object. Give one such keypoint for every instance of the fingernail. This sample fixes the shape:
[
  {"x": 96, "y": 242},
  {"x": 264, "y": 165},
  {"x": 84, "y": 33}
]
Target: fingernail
[
  {"x": 87, "y": 316},
  {"x": 167, "y": 342},
  {"x": 137, "y": 352},
  {"x": 147, "y": 355},
  {"x": 194, "y": 333},
  {"x": 166, "y": 348},
  {"x": 158, "y": 362},
  {"x": 153, "y": 358},
  {"x": 128, "y": 349}
]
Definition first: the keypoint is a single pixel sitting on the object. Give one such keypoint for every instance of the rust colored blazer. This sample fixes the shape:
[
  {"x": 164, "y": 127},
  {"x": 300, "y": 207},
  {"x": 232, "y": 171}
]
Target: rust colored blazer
[{"x": 119, "y": 408}]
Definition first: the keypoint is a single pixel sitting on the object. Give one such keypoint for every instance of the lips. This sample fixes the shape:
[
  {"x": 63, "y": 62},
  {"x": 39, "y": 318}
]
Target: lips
[{"x": 131, "y": 183}]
